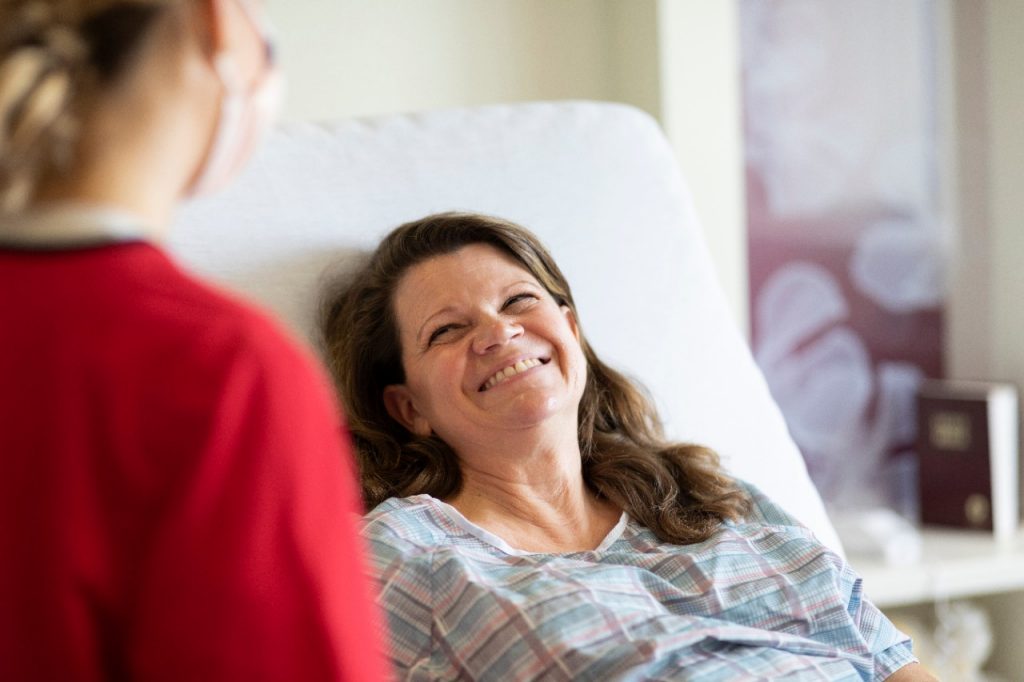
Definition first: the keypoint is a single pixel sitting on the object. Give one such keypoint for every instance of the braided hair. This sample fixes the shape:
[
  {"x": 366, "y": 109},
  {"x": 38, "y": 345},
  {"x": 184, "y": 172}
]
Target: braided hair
[{"x": 54, "y": 56}]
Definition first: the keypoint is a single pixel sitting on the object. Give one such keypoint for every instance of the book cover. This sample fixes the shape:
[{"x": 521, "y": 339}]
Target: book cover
[{"x": 968, "y": 453}]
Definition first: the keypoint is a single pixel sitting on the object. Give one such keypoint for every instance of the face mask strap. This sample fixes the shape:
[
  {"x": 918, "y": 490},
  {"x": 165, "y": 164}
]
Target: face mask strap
[
  {"x": 263, "y": 28},
  {"x": 243, "y": 110}
]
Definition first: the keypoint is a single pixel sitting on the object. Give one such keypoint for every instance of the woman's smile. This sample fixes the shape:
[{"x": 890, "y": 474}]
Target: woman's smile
[{"x": 513, "y": 370}]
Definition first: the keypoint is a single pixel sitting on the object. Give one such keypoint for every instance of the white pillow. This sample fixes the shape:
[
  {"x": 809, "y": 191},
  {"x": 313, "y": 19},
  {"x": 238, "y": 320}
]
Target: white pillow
[{"x": 600, "y": 186}]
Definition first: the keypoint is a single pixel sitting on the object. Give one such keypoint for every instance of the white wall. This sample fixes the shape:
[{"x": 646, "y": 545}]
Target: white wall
[
  {"x": 964, "y": 135},
  {"x": 985, "y": 168},
  {"x": 1006, "y": 201},
  {"x": 1006, "y": 175},
  {"x": 365, "y": 57},
  {"x": 701, "y": 112},
  {"x": 985, "y": 110}
]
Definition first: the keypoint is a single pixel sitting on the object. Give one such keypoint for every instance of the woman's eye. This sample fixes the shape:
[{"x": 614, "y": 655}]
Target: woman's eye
[
  {"x": 439, "y": 333},
  {"x": 519, "y": 300}
]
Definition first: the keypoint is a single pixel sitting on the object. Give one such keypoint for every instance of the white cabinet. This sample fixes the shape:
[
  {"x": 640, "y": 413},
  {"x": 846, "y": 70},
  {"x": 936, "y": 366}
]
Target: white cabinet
[{"x": 959, "y": 565}]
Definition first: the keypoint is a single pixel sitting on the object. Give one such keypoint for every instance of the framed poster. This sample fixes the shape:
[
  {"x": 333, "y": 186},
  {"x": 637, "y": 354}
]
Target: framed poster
[{"x": 847, "y": 255}]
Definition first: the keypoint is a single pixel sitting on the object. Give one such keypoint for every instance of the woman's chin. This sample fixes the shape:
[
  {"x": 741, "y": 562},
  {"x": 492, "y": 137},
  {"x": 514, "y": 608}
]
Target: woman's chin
[{"x": 530, "y": 408}]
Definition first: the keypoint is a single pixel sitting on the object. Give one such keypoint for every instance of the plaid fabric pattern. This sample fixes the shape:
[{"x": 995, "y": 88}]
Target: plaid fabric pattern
[{"x": 761, "y": 599}]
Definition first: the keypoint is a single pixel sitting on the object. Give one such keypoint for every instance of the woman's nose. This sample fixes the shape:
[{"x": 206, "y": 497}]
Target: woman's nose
[{"x": 494, "y": 333}]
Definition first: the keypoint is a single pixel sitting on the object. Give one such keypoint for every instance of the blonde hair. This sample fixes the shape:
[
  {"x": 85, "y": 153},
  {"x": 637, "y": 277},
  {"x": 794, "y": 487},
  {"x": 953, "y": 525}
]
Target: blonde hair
[
  {"x": 54, "y": 54},
  {"x": 679, "y": 491}
]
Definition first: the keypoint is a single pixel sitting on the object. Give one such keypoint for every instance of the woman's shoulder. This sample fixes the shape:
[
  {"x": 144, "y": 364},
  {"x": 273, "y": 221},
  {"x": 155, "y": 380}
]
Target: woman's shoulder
[
  {"x": 764, "y": 509},
  {"x": 408, "y": 521},
  {"x": 404, "y": 536},
  {"x": 766, "y": 514}
]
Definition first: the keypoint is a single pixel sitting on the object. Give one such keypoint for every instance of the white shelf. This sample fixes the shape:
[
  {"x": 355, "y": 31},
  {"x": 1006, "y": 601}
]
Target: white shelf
[{"x": 953, "y": 564}]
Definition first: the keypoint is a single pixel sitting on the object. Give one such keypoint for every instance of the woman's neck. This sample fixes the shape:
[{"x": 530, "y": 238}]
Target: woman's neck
[{"x": 535, "y": 502}]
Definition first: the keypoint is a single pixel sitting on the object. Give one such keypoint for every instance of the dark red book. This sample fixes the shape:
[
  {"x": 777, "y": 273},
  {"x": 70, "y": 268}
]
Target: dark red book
[{"x": 969, "y": 461}]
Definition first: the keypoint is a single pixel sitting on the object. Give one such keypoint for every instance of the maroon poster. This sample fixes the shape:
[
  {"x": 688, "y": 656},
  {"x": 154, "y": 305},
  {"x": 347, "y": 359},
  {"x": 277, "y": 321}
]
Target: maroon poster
[{"x": 846, "y": 245}]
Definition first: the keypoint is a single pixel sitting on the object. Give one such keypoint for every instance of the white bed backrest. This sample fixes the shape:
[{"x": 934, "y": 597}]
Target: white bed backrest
[{"x": 597, "y": 182}]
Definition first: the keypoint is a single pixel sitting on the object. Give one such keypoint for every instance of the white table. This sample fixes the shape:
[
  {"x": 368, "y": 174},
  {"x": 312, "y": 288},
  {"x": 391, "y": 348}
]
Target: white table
[{"x": 960, "y": 565}]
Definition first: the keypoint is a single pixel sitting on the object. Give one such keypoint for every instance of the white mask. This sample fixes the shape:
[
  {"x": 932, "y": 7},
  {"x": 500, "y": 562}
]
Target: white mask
[{"x": 246, "y": 113}]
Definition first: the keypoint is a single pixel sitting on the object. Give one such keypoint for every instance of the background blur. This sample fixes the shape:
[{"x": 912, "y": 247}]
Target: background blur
[{"x": 857, "y": 165}]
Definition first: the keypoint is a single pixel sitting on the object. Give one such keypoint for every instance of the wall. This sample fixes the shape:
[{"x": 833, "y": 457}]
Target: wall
[
  {"x": 985, "y": 169},
  {"x": 701, "y": 112},
  {"x": 1006, "y": 175},
  {"x": 964, "y": 170},
  {"x": 357, "y": 58}
]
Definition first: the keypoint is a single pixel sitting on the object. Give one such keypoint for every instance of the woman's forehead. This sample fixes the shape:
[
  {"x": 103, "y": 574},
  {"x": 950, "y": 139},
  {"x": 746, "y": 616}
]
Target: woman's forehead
[
  {"x": 468, "y": 270},
  {"x": 464, "y": 265}
]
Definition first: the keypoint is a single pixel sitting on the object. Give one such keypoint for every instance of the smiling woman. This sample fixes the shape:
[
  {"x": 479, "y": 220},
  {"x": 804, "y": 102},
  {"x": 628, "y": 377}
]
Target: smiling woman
[
  {"x": 530, "y": 522},
  {"x": 446, "y": 303}
]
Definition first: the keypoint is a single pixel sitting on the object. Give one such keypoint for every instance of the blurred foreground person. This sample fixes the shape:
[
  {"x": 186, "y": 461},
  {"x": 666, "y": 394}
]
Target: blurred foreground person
[{"x": 176, "y": 496}]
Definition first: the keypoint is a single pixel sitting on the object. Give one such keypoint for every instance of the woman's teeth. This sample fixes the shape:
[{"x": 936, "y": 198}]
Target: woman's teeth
[{"x": 512, "y": 370}]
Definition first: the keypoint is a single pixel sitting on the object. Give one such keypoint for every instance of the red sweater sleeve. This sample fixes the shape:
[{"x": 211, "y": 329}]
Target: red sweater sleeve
[{"x": 253, "y": 568}]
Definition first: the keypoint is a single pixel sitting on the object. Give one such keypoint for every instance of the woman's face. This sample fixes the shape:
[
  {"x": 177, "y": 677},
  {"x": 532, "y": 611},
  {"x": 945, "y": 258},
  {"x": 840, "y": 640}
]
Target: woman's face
[{"x": 485, "y": 349}]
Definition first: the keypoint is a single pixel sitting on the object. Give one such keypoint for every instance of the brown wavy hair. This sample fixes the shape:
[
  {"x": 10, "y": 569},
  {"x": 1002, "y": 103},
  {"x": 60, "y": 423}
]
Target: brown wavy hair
[{"x": 678, "y": 491}]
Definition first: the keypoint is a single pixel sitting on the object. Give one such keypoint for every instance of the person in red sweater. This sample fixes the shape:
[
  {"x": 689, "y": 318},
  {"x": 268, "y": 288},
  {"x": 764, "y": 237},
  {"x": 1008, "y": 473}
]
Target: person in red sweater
[{"x": 176, "y": 492}]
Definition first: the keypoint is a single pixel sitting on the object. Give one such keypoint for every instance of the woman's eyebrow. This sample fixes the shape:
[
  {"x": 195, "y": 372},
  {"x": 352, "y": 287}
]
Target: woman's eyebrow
[
  {"x": 520, "y": 282},
  {"x": 426, "y": 322}
]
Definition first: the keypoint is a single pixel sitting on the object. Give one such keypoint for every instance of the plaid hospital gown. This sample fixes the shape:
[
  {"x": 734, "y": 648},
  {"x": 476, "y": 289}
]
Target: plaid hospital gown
[{"x": 761, "y": 599}]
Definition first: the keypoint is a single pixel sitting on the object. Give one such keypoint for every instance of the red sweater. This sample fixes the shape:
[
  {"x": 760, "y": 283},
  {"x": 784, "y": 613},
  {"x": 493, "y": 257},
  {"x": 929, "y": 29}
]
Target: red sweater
[{"x": 176, "y": 501}]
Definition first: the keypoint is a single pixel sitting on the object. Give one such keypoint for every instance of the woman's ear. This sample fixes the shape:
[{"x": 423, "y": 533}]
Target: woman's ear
[{"x": 399, "y": 404}]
